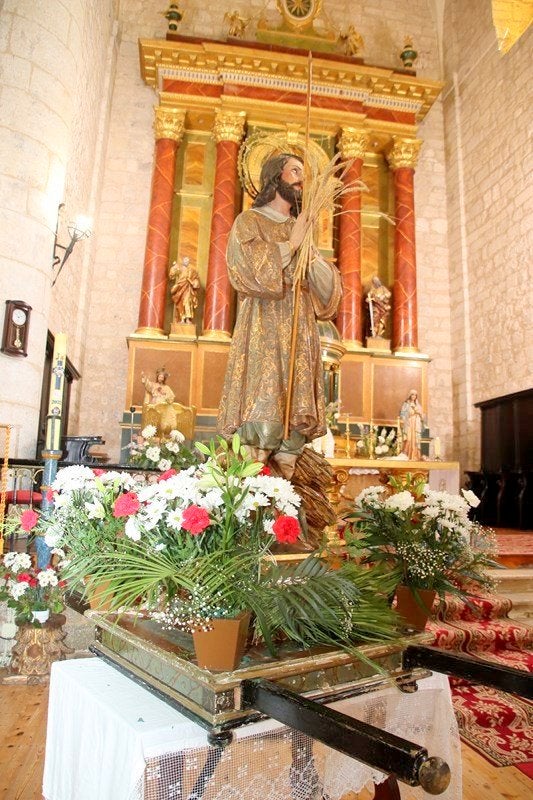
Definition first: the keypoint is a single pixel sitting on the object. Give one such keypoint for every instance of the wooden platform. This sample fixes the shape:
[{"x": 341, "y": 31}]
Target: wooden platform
[{"x": 23, "y": 736}]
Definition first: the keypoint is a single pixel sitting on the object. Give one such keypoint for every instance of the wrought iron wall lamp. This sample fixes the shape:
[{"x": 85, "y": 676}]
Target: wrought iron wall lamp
[{"x": 79, "y": 229}]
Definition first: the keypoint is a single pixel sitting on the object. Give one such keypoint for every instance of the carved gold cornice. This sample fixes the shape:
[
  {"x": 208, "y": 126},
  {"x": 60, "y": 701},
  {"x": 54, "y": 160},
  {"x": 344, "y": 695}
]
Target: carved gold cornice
[
  {"x": 404, "y": 152},
  {"x": 353, "y": 143},
  {"x": 169, "y": 123},
  {"x": 229, "y": 126},
  {"x": 219, "y": 64}
]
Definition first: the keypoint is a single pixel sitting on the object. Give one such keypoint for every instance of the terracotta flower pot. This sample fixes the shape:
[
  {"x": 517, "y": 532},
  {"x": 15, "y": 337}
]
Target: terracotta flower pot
[
  {"x": 221, "y": 648},
  {"x": 97, "y": 595},
  {"x": 414, "y": 612}
]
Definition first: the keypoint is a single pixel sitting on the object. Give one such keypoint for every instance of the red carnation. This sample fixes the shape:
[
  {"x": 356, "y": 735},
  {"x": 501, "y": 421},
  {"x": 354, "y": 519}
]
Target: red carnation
[
  {"x": 98, "y": 472},
  {"x": 29, "y": 519},
  {"x": 33, "y": 582},
  {"x": 195, "y": 520},
  {"x": 50, "y": 495},
  {"x": 286, "y": 529},
  {"x": 266, "y": 470},
  {"x": 24, "y": 577},
  {"x": 126, "y": 504},
  {"x": 166, "y": 475}
]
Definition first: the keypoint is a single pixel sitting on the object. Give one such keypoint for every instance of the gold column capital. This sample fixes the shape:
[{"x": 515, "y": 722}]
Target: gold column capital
[
  {"x": 404, "y": 152},
  {"x": 229, "y": 126},
  {"x": 353, "y": 142},
  {"x": 169, "y": 123}
]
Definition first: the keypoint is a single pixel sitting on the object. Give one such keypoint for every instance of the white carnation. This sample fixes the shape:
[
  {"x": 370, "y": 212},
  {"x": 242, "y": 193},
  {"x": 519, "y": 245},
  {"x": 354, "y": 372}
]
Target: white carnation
[
  {"x": 131, "y": 529},
  {"x": 164, "y": 464},
  {"x": 148, "y": 431},
  {"x": 471, "y": 498},
  {"x": 177, "y": 436},
  {"x": 399, "y": 502},
  {"x": 153, "y": 453},
  {"x": 47, "y": 577}
]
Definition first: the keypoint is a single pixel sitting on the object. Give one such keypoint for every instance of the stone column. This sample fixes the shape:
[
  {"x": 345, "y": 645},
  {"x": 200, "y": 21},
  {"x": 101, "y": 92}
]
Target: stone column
[
  {"x": 169, "y": 126},
  {"x": 352, "y": 145},
  {"x": 402, "y": 159},
  {"x": 228, "y": 132}
]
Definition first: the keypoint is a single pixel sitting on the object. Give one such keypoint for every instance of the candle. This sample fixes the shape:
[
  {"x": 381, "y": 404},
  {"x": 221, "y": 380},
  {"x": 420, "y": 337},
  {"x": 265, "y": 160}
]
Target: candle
[
  {"x": 55, "y": 406},
  {"x": 436, "y": 448}
]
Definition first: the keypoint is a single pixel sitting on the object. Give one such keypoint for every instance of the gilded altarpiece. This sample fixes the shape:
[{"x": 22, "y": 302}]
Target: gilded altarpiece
[{"x": 225, "y": 92}]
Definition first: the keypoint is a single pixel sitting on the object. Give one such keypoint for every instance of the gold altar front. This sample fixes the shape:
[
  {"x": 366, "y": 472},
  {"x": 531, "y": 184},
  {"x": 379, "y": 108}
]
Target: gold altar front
[{"x": 164, "y": 659}]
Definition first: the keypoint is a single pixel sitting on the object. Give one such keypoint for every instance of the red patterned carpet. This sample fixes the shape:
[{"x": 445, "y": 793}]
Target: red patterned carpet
[{"x": 496, "y": 724}]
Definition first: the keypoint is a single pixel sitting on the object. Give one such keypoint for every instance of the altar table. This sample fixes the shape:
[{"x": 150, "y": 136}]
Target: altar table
[{"x": 110, "y": 739}]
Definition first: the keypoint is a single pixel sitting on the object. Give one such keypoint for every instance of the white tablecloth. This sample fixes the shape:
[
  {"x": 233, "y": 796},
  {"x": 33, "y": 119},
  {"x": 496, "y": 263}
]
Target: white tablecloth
[{"x": 110, "y": 739}]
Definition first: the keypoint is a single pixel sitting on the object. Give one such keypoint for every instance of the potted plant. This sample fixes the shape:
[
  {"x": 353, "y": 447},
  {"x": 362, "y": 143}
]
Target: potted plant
[
  {"x": 148, "y": 451},
  {"x": 88, "y": 517},
  {"x": 195, "y": 549},
  {"x": 424, "y": 538},
  {"x": 33, "y": 593}
]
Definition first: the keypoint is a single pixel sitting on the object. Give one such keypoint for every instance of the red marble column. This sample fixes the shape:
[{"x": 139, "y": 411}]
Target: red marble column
[
  {"x": 228, "y": 132},
  {"x": 402, "y": 159},
  {"x": 353, "y": 144},
  {"x": 169, "y": 125}
]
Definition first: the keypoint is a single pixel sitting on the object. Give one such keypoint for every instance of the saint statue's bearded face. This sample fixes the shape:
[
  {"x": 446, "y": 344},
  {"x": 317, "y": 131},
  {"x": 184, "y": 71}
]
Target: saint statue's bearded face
[{"x": 290, "y": 182}]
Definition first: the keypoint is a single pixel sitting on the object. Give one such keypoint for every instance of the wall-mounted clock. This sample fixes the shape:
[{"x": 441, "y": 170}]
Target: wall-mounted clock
[
  {"x": 299, "y": 13},
  {"x": 16, "y": 328}
]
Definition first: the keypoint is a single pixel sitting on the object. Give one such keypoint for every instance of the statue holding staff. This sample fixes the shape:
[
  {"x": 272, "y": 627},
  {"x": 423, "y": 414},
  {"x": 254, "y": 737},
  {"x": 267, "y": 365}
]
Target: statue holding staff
[{"x": 262, "y": 263}]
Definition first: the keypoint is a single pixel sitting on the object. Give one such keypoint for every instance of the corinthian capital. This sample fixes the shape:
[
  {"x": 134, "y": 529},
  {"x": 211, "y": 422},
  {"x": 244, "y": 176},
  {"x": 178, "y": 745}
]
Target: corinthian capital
[
  {"x": 169, "y": 123},
  {"x": 404, "y": 152},
  {"x": 353, "y": 143},
  {"x": 229, "y": 126}
]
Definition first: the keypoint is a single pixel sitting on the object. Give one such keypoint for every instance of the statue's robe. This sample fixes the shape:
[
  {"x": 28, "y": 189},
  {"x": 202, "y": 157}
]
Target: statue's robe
[{"x": 261, "y": 270}]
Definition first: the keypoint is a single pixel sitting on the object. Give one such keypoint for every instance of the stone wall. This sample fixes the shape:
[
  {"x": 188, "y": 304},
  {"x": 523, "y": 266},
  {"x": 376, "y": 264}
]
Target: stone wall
[
  {"x": 488, "y": 154},
  {"x": 55, "y": 60},
  {"x": 122, "y": 217}
]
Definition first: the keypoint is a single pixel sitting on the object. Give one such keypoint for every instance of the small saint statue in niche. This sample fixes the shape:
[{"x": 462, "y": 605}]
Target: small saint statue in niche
[
  {"x": 161, "y": 409},
  {"x": 352, "y": 41},
  {"x": 411, "y": 424},
  {"x": 184, "y": 290},
  {"x": 237, "y": 24},
  {"x": 378, "y": 300}
]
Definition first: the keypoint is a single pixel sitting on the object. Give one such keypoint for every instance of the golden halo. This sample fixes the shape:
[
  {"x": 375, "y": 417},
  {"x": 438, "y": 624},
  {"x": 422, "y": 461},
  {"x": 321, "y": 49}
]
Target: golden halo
[{"x": 259, "y": 147}]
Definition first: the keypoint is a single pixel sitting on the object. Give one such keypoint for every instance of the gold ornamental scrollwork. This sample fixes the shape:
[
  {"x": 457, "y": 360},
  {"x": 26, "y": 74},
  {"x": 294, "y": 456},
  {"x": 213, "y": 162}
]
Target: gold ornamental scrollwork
[
  {"x": 353, "y": 143},
  {"x": 404, "y": 152},
  {"x": 169, "y": 123},
  {"x": 229, "y": 126}
]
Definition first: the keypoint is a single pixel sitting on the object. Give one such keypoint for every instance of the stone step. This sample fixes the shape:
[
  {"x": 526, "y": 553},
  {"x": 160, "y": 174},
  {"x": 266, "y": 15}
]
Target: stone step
[
  {"x": 509, "y": 580},
  {"x": 522, "y": 609}
]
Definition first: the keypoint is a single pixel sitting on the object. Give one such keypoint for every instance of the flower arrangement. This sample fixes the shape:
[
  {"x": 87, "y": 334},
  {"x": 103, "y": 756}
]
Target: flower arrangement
[
  {"x": 90, "y": 510},
  {"x": 148, "y": 451},
  {"x": 196, "y": 545},
  {"x": 424, "y": 537},
  {"x": 27, "y": 589},
  {"x": 332, "y": 415},
  {"x": 375, "y": 443}
]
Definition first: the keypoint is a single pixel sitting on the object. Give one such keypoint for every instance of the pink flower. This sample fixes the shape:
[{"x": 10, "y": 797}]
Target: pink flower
[
  {"x": 98, "y": 472},
  {"x": 286, "y": 529},
  {"x": 166, "y": 475},
  {"x": 126, "y": 504},
  {"x": 195, "y": 520},
  {"x": 29, "y": 519},
  {"x": 50, "y": 495}
]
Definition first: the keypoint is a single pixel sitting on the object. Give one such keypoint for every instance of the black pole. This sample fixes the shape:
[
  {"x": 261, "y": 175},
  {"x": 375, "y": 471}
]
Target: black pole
[
  {"x": 381, "y": 750},
  {"x": 515, "y": 681}
]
